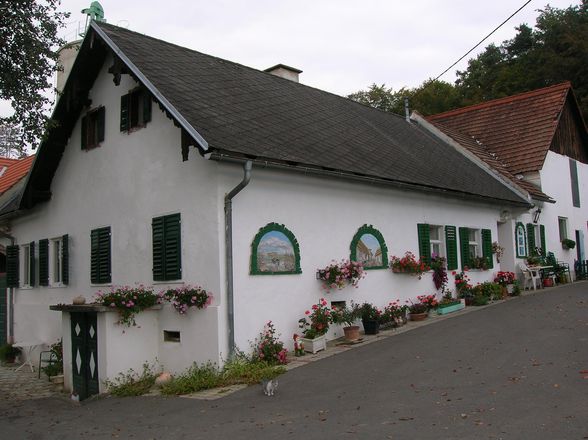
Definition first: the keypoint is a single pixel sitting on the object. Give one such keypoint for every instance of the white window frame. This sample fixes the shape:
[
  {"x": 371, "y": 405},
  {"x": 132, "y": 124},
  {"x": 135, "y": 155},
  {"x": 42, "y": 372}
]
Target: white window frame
[
  {"x": 440, "y": 242},
  {"x": 476, "y": 242},
  {"x": 56, "y": 262},
  {"x": 564, "y": 221}
]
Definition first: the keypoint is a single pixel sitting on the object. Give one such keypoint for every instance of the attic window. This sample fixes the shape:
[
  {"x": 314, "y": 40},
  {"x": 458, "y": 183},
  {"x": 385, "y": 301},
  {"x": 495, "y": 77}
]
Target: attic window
[
  {"x": 135, "y": 110},
  {"x": 93, "y": 128}
]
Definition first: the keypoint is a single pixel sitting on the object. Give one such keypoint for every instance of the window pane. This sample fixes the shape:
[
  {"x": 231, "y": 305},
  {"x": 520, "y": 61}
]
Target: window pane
[
  {"x": 434, "y": 232},
  {"x": 472, "y": 234}
]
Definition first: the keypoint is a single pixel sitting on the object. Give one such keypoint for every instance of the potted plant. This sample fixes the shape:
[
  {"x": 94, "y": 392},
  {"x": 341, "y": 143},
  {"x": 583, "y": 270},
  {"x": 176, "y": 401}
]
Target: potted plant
[
  {"x": 430, "y": 301},
  {"x": 480, "y": 263},
  {"x": 506, "y": 280},
  {"x": 370, "y": 318},
  {"x": 314, "y": 326},
  {"x": 463, "y": 286},
  {"x": 186, "y": 297},
  {"x": 449, "y": 304},
  {"x": 347, "y": 316},
  {"x": 129, "y": 301},
  {"x": 8, "y": 353},
  {"x": 418, "y": 311},
  {"x": 566, "y": 243},
  {"x": 408, "y": 264}
]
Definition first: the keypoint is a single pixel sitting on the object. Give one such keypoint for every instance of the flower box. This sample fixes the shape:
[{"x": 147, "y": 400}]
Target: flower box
[
  {"x": 444, "y": 309},
  {"x": 315, "y": 345}
]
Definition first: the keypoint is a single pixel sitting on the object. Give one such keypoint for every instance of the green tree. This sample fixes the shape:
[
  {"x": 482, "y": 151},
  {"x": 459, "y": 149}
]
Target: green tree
[{"x": 28, "y": 37}]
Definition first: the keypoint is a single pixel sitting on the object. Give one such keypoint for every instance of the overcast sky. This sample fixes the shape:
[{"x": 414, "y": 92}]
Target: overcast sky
[{"x": 341, "y": 45}]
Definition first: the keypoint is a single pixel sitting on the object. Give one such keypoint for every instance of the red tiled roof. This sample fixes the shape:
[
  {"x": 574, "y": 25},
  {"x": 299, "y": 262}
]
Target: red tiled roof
[
  {"x": 517, "y": 129},
  {"x": 16, "y": 170},
  {"x": 482, "y": 152}
]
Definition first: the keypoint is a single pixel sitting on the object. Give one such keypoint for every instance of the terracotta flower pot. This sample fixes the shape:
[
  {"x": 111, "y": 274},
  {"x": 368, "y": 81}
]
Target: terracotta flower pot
[
  {"x": 418, "y": 316},
  {"x": 351, "y": 332}
]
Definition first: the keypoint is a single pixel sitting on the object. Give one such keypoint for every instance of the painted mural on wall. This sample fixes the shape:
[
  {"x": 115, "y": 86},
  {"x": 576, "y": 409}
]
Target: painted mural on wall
[
  {"x": 275, "y": 251},
  {"x": 368, "y": 247}
]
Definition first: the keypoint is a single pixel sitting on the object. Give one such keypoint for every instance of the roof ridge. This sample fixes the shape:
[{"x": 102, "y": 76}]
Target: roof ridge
[
  {"x": 224, "y": 60},
  {"x": 519, "y": 96}
]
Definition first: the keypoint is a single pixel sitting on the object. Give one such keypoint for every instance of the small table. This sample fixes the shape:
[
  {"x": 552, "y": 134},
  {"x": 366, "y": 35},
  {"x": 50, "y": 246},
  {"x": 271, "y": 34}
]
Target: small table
[{"x": 29, "y": 346}]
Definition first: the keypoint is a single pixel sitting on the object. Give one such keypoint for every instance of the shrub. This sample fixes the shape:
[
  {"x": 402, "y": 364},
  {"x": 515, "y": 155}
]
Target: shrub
[
  {"x": 269, "y": 348},
  {"x": 56, "y": 366},
  {"x": 132, "y": 383},
  {"x": 129, "y": 301},
  {"x": 369, "y": 312},
  {"x": 316, "y": 323}
]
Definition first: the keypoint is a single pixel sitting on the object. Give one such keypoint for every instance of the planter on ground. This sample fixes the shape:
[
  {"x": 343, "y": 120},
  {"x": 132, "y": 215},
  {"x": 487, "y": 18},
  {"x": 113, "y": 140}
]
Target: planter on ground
[
  {"x": 419, "y": 316},
  {"x": 444, "y": 309},
  {"x": 351, "y": 332},
  {"x": 371, "y": 327},
  {"x": 315, "y": 345}
]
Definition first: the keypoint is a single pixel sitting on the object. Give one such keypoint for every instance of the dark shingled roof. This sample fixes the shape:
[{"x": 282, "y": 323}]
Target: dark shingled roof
[
  {"x": 233, "y": 110},
  {"x": 243, "y": 111}
]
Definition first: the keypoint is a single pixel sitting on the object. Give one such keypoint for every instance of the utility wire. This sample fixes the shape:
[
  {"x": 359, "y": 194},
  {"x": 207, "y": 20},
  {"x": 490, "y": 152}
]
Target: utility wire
[{"x": 482, "y": 40}]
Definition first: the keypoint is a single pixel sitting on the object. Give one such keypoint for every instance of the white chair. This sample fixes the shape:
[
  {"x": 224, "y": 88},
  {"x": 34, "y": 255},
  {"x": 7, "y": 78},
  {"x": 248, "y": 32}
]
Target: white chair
[{"x": 532, "y": 276}]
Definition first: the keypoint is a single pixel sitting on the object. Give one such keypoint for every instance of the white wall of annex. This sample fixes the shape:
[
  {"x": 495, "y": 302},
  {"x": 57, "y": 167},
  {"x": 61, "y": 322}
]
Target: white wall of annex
[{"x": 124, "y": 183}]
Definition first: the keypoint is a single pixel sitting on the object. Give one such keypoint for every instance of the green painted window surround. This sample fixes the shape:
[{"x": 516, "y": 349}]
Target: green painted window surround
[
  {"x": 369, "y": 229},
  {"x": 267, "y": 229}
]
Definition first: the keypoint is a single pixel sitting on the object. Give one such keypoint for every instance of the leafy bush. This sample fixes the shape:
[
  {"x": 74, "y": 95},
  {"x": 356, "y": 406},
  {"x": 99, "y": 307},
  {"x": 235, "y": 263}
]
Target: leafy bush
[
  {"x": 269, "y": 348},
  {"x": 56, "y": 366}
]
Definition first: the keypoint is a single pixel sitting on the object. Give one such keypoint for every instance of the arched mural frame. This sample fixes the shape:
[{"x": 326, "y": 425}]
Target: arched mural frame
[
  {"x": 369, "y": 229},
  {"x": 274, "y": 227}
]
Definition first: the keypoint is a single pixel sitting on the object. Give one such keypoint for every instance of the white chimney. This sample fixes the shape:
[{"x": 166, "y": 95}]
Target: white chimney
[{"x": 284, "y": 71}]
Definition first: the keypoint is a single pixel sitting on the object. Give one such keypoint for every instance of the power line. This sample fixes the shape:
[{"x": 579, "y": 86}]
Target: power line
[{"x": 483, "y": 39}]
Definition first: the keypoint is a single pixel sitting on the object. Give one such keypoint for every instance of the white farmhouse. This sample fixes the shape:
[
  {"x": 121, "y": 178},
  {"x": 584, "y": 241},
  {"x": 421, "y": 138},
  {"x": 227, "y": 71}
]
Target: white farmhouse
[{"x": 170, "y": 167}]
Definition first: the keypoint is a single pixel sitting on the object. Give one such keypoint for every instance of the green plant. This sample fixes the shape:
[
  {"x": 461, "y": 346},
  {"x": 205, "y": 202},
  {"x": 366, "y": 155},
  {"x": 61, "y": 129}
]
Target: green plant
[
  {"x": 568, "y": 244},
  {"x": 182, "y": 298},
  {"x": 369, "y": 312},
  {"x": 479, "y": 263},
  {"x": 439, "y": 271},
  {"x": 269, "y": 348},
  {"x": 533, "y": 260},
  {"x": 129, "y": 301},
  {"x": 516, "y": 289},
  {"x": 55, "y": 367},
  {"x": 392, "y": 312},
  {"x": 345, "y": 315},
  {"x": 416, "y": 308},
  {"x": 8, "y": 353},
  {"x": 316, "y": 323},
  {"x": 462, "y": 284},
  {"x": 132, "y": 383}
]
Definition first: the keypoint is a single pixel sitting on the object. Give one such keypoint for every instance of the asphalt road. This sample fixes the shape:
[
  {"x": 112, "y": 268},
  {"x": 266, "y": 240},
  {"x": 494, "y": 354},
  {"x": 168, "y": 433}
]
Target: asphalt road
[{"x": 517, "y": 370}]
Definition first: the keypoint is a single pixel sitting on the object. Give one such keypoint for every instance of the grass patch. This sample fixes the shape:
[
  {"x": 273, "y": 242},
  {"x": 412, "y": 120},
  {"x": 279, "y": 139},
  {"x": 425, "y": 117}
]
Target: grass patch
[
  {"x": 240, "y": 370},
  {"x": 132, "y": 383}
]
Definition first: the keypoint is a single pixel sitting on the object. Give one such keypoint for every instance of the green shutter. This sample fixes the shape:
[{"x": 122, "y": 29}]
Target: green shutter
[
  {"x": 574, "y": 179},
  {"x": 32, "y": 264},
  {"x": 84, "y": 132},
  {"x": 531, "y": 239},
  {"x": 173, "y": 263},
  {"x": 100, "y": 265},
  {"x": 167, "y": 263},
  {"x": 146, "y": 107},
  {"x": 44, "y": 262},
  {"x": 65, "y": 259},
  {"x": 464, "y": 247},
  {"x": 124, "y": 112},
  {"x": 100, "y": 125},
  {"x": 451, "y": 247},
  {"x": 12, "y": 268},
  {"x": 543, "y": 241},
  {"x": 487, "y": 247},
  {"x": 424, "y": 242}
]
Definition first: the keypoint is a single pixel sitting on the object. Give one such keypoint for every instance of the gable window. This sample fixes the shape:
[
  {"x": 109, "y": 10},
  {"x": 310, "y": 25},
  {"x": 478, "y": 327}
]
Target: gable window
[
  {"x": 167, "y": 248},
  {"x": 521, "y": 240},
  {"x": 135, "y": 109},
  {"x": 28, "y": 265},
  {"x": 563, "y": 228},
  {"x": 93, "y": 128},
  {"x": 369, "y": 248},
  {"x": 100, "y": 264}
]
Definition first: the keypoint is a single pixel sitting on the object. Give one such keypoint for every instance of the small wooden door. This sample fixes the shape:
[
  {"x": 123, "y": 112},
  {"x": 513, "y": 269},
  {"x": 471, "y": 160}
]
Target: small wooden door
[{"x": 84, "y": 347}]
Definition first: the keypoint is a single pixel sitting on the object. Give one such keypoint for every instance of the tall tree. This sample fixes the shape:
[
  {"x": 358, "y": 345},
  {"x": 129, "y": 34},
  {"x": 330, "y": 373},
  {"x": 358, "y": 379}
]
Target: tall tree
[{"x": 28, "y": 37}]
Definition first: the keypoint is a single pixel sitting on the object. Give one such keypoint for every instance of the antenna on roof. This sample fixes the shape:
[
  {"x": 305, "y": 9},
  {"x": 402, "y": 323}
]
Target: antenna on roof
[{"x": 94, "y": 12}]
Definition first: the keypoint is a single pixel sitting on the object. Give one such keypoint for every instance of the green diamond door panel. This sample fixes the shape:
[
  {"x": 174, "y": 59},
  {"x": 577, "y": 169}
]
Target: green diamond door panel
[{"x": 84, "y": 345}]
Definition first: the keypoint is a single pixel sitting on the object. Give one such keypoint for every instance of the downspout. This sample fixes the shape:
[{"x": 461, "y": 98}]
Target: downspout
[
  {"x": 9, "y": 298},
  {"x": 229, "y": 251}
]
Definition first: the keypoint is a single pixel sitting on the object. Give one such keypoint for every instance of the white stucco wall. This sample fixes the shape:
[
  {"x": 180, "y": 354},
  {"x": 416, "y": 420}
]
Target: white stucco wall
[
  {"x": 126, "y": 182},
  {"x": 324, "y": 215}
]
